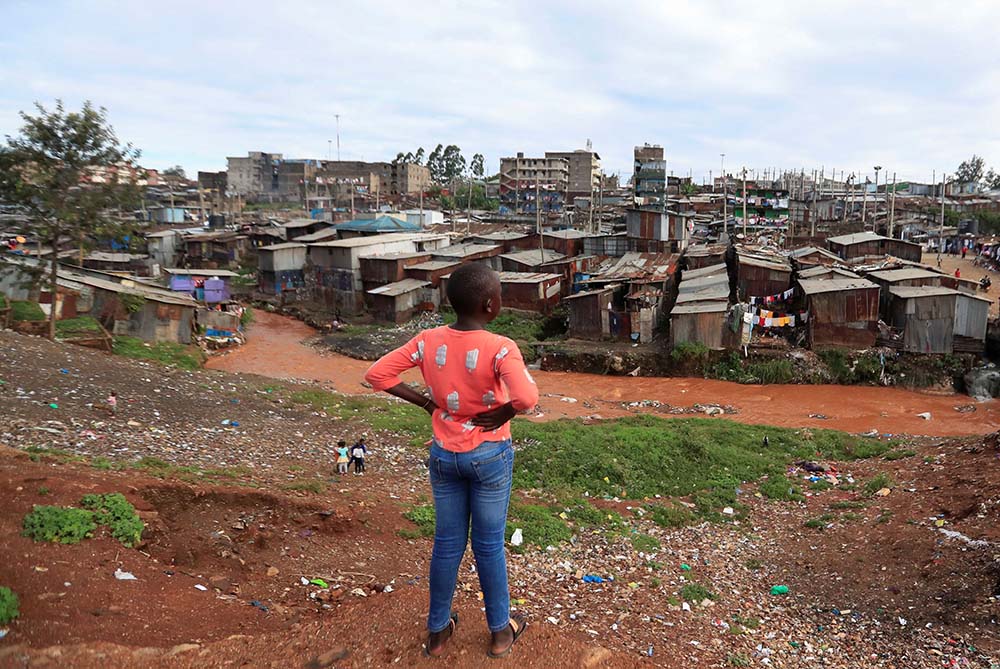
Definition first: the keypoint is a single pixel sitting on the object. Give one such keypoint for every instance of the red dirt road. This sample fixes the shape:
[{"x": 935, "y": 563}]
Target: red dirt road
[{"x": 275, "y": 349}]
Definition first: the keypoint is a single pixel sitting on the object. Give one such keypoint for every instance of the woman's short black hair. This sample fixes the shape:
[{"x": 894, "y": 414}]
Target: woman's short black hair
[{"x": 469, "y": 285}]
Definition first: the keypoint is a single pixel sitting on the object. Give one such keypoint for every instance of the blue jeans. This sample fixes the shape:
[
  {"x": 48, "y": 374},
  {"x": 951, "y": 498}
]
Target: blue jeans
[{"x": 473, "y": 486}]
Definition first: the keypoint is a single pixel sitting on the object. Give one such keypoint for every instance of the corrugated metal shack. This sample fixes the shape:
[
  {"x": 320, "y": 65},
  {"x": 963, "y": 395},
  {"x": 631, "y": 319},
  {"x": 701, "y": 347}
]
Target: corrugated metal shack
[
  {"x": 566, "y": 242},
  {"x": 569, "y": 268},
  {"x": 702, "y": 323},
  {"x": 280, "y": 267},
  {"x": 906, "y": 276},
  {"x": 702, "y": 255},
  {"x": 465, "y": 253},
  {"x": 528, "y": 291},
  {"x": 860, "y": 245},
  {"x": 843, "y": 312},
  {"x": 761, "y": 275},
  {"x": 380, "y": 270},
  {"x": 510, "y": 240},
  {"x": 708, "y": 284},
  {"x": 398, "y": 302},
  {"x": 972, "y": 314},
  {"x": 823, "y": 272},
  {"x": 926, "y": 316},
  {"x": 432, "y": 270},
  {"x": 812, "y": 256},
  {"x": 589, "y": 316},
  {"x": 528, "y": 261},
  {"x": 615, "y": 245}
]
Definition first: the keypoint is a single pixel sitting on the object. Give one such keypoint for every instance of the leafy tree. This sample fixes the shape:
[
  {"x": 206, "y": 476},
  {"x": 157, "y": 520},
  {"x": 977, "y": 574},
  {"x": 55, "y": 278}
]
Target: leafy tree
[
  {"x": 399, "y": 158},
  {"x": 418, "y": 157},
  {"x": 453, "y": 162},
  {"x": 175, "y": 171},
  {"x": 435, "y": 165},
  {"x": 478, "y": 165},
  {"x": 68, "y": 172},
  {"x": 992, "y": 180},
  {"x": 971, "y": 170}
]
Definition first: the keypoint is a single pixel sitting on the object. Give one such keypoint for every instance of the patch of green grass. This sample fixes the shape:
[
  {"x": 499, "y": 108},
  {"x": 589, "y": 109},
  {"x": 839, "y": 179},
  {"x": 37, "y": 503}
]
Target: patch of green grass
[
  {"x": 737, "y": 660},
  {"x": 819, "y": 522},
  {"x": 820, "y": 485},
  {"x": 847, "y": 504},
  {"x": 753, "y": 564},
  {"x": 24, "y": 310},
  {"x": 113, "y": 510},
  {"x": 59, "y": 524},
  {"x": 38, "y": 453},
  {"x": 884, "y": 517},
  {"x": 898, "y": 455},
  {"x": 163, "y": 469},
  {"x": 697, "y": 593},
  {"x": 43, "y": 491},
  {"x": 77, "y": 327},
  {"x": 8, "y": 605},
  {"x": 167, "y": 353},
  {"x": 781, "y": 488},
  {"x": 674, "y": 457},
  {"x": 421, "y": 515},
  {"x": 877, "y": 482},
  {"x": 106, "y": 464},
  {"x": 734, "y": 368},
  {"x": 399, "y": 417},
  {"x": 314, "y": 487},
  {"x": 671, "y": 515},
  {"x": 645, "y": 543},
  {"x": 540, "y": 525},
  {"x": 689, "y": 351},
  {"x": 750, "y": 623},
  {"x": 850, "y": 517}
]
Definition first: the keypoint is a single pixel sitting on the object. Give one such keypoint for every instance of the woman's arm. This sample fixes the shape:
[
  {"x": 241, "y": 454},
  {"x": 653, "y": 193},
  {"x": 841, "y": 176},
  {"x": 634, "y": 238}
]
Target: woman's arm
[
  {"x": 384, "y": 374},
  {"x": 521, "y": 387}
]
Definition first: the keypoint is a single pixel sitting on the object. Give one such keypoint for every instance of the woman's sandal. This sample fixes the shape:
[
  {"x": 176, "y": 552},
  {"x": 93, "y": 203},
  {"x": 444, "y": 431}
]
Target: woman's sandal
[
  {"x": 453, "y": 623},
  {"x": 517, "y": 625}
]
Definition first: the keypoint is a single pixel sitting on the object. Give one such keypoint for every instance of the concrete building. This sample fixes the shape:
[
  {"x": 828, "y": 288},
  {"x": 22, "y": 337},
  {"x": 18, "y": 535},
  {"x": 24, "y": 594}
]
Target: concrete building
[
  {"x": 256, "y": 174},
  {"x": 217, "y": 181},
  {"x": 584, "y": 171},
  {"x": 649, "y": 176},
  {"x": 373, "y": 178},
  {"x": 295, "y": 175},
  {"x": 522, "y": 178},
  {"x": 409, "y": 178}
]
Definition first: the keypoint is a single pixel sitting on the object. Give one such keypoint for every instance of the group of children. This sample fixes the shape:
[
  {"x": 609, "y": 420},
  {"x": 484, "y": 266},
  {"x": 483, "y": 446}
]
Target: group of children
[{"x": 354, "y": 455}]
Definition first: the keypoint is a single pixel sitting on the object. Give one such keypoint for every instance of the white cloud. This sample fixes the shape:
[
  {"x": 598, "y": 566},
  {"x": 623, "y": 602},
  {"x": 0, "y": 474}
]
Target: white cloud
[{"x": 786, "y": 84}]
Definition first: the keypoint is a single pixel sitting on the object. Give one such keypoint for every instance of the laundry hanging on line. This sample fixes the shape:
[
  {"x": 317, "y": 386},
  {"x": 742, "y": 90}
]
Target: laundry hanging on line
[{"x": 777, "y": 297}]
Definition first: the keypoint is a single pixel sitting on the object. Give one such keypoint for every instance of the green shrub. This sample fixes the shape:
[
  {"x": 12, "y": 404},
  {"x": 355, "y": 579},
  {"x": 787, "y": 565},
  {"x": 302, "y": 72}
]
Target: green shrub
[
  {"x": 877, "y": 482},
  {"x": 247, "y": 318},
  {"x": 672, "y": 515},
  {"x": 689, "y": 351},
  {"x": 779, "y": 487},
  {"x": 819, "y": 522},
  {"x": 60, "y": 524},
  {"x": 8, "y": 605},
  {"x": 772, "y": 371},
  {"x": 314, "y": 487},
  {"x": 77, "y": 327},
  {"x": 118, "y": 514},
  {"x": 23, "y": 310},
  {"x": 165, "y": 352},
  {"x": 694, "y": 592},
  {"x": 898, "y": 455},
  {"x": 423, "y": 517},
  {"x": 645, "y": 543},
  {"x": 540, "y": 525}
]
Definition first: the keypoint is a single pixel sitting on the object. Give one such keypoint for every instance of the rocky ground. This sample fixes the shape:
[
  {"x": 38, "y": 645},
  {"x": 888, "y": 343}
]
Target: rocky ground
[{"x": 235, "y": 483}]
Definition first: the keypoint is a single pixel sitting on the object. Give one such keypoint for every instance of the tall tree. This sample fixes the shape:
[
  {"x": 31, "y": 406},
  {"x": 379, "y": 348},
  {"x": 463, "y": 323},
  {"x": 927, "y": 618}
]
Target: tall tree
[
  {"x": 478, "y": 165},
  {"x": 992, "y": 180},
  {"x": 418, "y": 157},
  {"x": 971, "y": 170},
  {"x": 454, "y": 162},
  {"x": 175, "y": 171},
  {"x": 69, "y": 173},
  {"x": 435, "y": 164}
]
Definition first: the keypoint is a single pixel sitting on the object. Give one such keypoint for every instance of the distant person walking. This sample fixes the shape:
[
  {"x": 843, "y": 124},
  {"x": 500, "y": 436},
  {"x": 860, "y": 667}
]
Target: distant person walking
[
  {"x": 477, "y": 383},
  {"x": 342, "y": 459},
  {"x": 358, "y": 453}
]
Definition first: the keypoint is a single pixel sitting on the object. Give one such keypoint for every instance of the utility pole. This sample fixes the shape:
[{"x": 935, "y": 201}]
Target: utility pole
[
  {"x": 590, "y": 222},
  {"x": 337, "y": 116},
  {"x": 711, "y": 181},
  {"x": 864, "y": 205},
  {"x": 468, "y": 218},
  {"x": 421, "y": 207},
  {"x": 745, "y": 214},
  {"x": 538, "y": 217},
  {"x": 892, "y": 207},
  {"x": 725, "y": 213},
  {"x": 329, "y": 149},
  {"x": 812, "y": 216},
  {"x": 944, "y": 180}
]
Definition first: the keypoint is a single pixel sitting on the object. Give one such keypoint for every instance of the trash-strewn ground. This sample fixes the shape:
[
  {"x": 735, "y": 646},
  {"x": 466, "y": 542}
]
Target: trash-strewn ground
[{"x": 234, "y": 481}]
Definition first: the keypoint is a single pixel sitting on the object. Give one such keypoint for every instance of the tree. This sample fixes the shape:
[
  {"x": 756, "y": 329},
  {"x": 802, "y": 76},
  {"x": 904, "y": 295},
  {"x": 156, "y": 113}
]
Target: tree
[
  {"x": 67, "y": 172},
  {"x": 175, "y": 171},
  {"x": 992, "y": 180},
  {"x": 970, "y": 170},
  {"x": 435, "y": 165},
  {"x": 453, "y": 162},
  {"x": 418, "y": 157},
  {"x": 478, "y": 165}
]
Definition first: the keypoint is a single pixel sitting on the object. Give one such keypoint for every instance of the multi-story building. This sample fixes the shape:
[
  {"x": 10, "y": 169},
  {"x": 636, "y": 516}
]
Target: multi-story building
[
  {"x": 256, "y": 174},
  {"x": 519, "y": 177},
  {"x": 295, "y": 175},
  {"x": 217, "y": 181},
  {"x": 409, "y": 178},
  {"x": 649, "y": 178},
  {"x": 584, "y": 171}
]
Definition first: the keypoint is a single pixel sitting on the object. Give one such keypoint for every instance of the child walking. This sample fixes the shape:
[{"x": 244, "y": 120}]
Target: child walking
[
  {"x": 342, "y": 458},
  {"x": 477, "y": 382},
  {"x": 358, "y": 452}
]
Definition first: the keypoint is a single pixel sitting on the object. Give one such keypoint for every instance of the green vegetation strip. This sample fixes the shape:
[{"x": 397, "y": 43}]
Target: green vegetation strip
[
  {"x": 168, "y": 353},
  {"x": 8, "y": 605},
  {"x": 22, "y": 310},
  {"x": 81, "y": 326},
  {"x": 70, "y": 525}
]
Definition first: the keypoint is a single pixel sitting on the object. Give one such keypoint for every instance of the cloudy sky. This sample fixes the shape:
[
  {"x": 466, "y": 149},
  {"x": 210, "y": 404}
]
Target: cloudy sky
[{"x": 912, "y": 86}]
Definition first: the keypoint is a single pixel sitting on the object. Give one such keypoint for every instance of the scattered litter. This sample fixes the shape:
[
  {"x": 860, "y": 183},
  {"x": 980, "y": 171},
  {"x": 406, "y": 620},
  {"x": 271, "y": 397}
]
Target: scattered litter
[
  {"x": 387, "y": 588},
  {"x": 53, "y": 405},
  {"x": 571, "y": 400},
  {"x": 258, "y": 605},
  {"x": 883, "y": 492},
  {"x": 64, "y": 371},
  {"x": 304, "y": 580},
  {"x": 729, "y": 511},
  {"x": 553, "y": 620},
  {"x": 685, "y": 567},
  {"x": 966, "y": 408},
  {"x": 685, "y": 606},
  {"x": 779, "y": 589},
  {"x": 125, "y": 575},
  {"x": 199, "y": 586},
  {"x": 591, "y": 578},
  {"x": 320, "y": 582},
  {"x": 819, "y": 416},
  {"x": 925, "y": 415},
  {"x": 358, "y": 592},
  {"x": 3, "y": 632},
  {"x": 517, "y": 538},
  {"x": 973, "y": 543}
]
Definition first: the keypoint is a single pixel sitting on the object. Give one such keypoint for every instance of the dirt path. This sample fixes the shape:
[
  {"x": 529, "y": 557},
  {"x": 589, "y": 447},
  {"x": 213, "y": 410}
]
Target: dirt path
[
  {"x": 949, "y": 263},
  {"x": 275, "y": 349}
]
